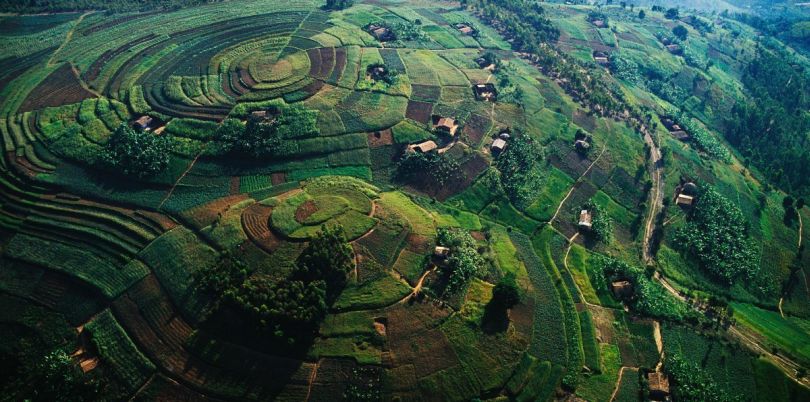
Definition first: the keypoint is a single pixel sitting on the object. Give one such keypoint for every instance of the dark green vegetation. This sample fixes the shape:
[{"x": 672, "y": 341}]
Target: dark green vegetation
[
  {"x": 717, "y": 236},
  {"x": 309, "y": 200}
]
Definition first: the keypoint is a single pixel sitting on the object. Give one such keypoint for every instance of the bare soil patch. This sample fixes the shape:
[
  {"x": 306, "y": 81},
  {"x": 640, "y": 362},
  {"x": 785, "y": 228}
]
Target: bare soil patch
[
  {"x": 380, "y": 138},
  {"x": 305, "y": 210},
  {"x": 61, "y": 87},
  {"x": 419, "y": 111}
]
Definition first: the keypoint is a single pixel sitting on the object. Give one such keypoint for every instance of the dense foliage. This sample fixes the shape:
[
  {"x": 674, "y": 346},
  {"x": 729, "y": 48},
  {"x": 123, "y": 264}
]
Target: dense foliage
[
  {"x": 338, "y": 4},
  {"x": 135, "y": 153},
  {"x": 649, "y": 298},
  {"x": 269, "y": 137},
  {"x": 705, "y": 140},
  {"x": 464, "y": 262},
  {"x": 431, "y": 169},
  {"x": 716, "y": 235},
  {"x": 770, "y": 128},
  {"x": 693, "y": 383},
  {"x": 601, "y": 225},
  {"x": 521, "y": 172},
  {"x": 288, "y": 310},
  {"x": 505, "y": 294}
]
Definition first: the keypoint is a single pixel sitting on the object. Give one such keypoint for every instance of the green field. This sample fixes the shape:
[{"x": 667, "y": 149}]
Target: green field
[{"x": 263, "y": 200}]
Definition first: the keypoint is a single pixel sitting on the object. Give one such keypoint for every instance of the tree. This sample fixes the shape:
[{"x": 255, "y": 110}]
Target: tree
[
  {"x": 328, "y": 257},
  {"x": 338, "y": 4},
  {"x": 672, "y": 14},
  {"x": 641, "y": 14},
  {"x": 520, "y": 169},
  {"x": 134, "y": 153},
  {"x": 788, "y": 201},
  {"x": 269, "y": 137},
  {"x": 506, "y": 294},
  {"x": 680, "y": 32},
  {"x": 800, "y": 203}
]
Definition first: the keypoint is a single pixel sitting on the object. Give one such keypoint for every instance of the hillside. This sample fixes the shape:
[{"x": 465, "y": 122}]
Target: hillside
[{"x": 401, "y": 200}]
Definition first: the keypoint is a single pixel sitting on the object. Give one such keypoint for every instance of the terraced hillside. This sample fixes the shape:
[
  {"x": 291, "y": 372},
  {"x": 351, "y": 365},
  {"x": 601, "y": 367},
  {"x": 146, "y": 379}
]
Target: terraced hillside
[{"x": 477, "y": 198}]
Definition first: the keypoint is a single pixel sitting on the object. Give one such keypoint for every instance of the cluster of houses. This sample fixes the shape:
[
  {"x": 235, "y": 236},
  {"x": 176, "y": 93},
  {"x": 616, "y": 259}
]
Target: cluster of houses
[
  {"x": 148, "y": 123},
  {"x": 675, "y": 129},
  {"x": 381, "y": 33}
]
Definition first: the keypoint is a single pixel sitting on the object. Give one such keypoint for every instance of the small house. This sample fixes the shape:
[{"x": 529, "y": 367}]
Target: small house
[
  {"x": 485, "y": 92},
  {"x": 659, "y": 386},
  {"x": 504, "y": 135},
  {"x": 484, "y": 63},
  {"x": 465, "y": 29},
  {"x": 585, "y": 219},
  {"x": 681, "y": 135},
  {"x": 674, "y": 49},
  {"x": 582, "y": 145},
  {"x": 258, "y": 114},
  {"x": 423, "y": 147},
  {"x": 498, "y": 145},
  {"x": 684, "y": 200},
  {"x": 381, "y": 33},
  {"x": 448, "y": 125},
  {"x": 601, "y": 58},
  {"x": 599, "y": 23},
  {"x": 144, "y": 123},
  {"x": 441, "y": 252},
  {"x": 622, "y": 289},
  {"x": 159, "y": 130}
]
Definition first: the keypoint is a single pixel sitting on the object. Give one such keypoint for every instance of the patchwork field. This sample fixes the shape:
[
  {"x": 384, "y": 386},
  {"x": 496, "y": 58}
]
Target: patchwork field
[{"x": 474, "y": 211}]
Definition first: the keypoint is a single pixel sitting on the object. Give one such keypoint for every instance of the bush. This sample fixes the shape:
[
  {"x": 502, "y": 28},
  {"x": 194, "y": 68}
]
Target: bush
[{"x": 136, "y": 153}]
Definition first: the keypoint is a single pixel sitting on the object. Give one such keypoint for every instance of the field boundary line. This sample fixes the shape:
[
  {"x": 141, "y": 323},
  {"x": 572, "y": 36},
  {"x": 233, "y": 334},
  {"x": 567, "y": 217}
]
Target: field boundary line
[{"x": 68, "y": 37}]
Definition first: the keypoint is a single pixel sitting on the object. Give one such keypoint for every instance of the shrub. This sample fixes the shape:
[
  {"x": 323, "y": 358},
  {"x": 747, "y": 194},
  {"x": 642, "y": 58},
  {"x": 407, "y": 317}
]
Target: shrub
[{"x": 136, "y": 153}]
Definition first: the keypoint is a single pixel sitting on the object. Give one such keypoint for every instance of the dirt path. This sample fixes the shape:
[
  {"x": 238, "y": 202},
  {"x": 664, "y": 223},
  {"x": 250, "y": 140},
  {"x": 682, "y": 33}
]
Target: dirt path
[
  {"x": 418, "y": 287},
  {"x": 659, "y": 344},
  {"x": 619, "y": 381},
  {"x": 656, "y": 200},
  {"x": 190, "y": 165},
  {"x": 557, "y": 212},
  {"x": 68, "y": 37},
  {"x": 801, "y": 228},
  {"x": 312, "y": 378}
]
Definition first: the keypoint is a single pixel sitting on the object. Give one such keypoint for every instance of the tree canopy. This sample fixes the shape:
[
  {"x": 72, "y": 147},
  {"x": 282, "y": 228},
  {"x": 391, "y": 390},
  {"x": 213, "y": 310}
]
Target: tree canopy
[
  {"x": 134, "y": 153},
  {"x": 717, "y": 237},
  {"x": 520, "y": 170}
]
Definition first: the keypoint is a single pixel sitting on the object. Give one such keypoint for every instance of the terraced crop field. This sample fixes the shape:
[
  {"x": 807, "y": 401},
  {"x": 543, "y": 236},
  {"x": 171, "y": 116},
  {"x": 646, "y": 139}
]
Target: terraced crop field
[{"x": 171, "y": 178}]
